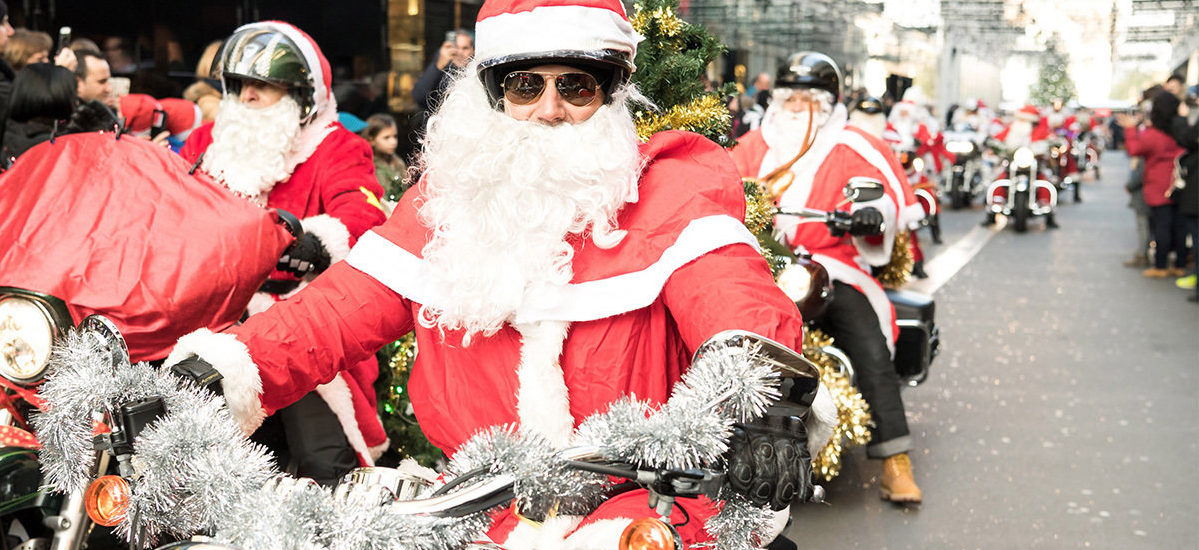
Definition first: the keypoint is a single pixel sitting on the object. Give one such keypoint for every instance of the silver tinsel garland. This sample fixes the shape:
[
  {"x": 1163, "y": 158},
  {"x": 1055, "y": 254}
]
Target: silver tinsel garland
[{"x": 197, "y": 473}]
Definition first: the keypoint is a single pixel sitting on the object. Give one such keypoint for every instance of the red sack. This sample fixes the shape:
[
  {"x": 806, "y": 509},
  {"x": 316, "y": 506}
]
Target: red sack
[{"x": 119, "y": 227}]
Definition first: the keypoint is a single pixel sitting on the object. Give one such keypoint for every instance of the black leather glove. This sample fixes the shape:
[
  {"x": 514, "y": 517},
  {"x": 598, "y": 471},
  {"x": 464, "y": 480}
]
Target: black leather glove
[
  {"x": 306, "y": 255},
  {"x": 199, "y": 372},
  {"x": 867, "y": 221},
  {"x": 768, "y": 461}
]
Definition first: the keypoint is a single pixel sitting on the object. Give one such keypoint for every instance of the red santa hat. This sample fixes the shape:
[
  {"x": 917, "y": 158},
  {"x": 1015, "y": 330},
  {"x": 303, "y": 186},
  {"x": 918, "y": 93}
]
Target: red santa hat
[
  {"x": 181, "y": 116},
  {"x": 515, "y": 30},
  {"x": 1029, "y": 113}
]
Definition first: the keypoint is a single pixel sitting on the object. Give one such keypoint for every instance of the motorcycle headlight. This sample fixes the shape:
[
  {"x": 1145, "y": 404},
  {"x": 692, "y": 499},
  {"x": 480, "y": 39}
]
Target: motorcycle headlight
[
  {"x": 918, "y": 165},
  {"x": 796, "y": 282},
  {"x": 960, "y": 147},
  {"x": 1023, "y": 158},
  {"x": 26, "y": 332}
]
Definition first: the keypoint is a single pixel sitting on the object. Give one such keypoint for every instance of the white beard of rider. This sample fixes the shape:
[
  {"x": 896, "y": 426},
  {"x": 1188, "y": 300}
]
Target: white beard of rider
[
  {"x": 1019, "y": 133},
  {"x": 503, "y": 195},
  {"x": 250, "y": 147},
  {"x": 784, "y": 130},
  {"x": 873, "y": 124}
]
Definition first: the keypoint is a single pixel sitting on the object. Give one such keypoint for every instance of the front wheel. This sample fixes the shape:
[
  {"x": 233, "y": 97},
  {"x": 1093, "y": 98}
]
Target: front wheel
[
  {"x": 1020, "y": 212},
  {"x": 957, "y": 191}
]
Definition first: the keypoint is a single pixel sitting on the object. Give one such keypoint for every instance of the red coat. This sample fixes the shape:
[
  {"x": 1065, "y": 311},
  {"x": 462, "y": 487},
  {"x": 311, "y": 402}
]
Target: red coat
[
  {"x": 839, "y": 153},
  {"x": 335, "y": 194},
  {"x": 1159, "y": 151},
  {"x": 686, "y": 270}
]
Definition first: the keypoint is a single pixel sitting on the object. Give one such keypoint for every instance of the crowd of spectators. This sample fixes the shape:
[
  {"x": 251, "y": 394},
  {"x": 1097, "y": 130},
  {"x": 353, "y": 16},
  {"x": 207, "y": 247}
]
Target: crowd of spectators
[{"x": 1162, "y": 138}]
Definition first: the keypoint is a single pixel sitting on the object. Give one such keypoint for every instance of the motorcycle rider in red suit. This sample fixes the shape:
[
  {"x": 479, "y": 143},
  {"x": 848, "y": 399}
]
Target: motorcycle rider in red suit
[
  {"x": 277, "y": 142},
  {"x": 861, "y": 318},
  {"x": 1027, "y": 129},
  {"x": 548, "y": 262}
]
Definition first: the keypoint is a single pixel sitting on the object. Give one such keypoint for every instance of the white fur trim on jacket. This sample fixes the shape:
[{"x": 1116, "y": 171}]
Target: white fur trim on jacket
[
  {"x": 907, "y": 214},
  {"x": 559, "y": 533},
  {"x": 312, "y": 135},
  {"x": 242, "y": 384},
  {"x": 337, "y": 395},
  {"x": 332, "y": 233},
  {"x": 542, "y": 399},
  {"x": 870, "y": 287},
  {"x": 821, "y": 421},
  {"x": 409, "y": 276}
]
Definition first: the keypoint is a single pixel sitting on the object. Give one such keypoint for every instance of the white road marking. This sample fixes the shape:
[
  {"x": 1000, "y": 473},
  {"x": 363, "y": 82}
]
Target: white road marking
[{"x": 942, "y": 267}]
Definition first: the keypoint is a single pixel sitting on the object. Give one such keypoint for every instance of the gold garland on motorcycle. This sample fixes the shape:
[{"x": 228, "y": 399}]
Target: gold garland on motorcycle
[
  {"x": 853, "y": 414},
  {"x": 759, "y": 212},
  {"x": 897, "y": 272}
]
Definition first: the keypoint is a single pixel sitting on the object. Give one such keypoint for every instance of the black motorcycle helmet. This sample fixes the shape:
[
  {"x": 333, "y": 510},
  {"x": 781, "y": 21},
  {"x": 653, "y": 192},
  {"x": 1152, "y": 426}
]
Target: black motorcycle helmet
[
  {"x": 810, "y": 70},
  {"x": 869, "y": 105},
  {"x": 611, "y": 68}
]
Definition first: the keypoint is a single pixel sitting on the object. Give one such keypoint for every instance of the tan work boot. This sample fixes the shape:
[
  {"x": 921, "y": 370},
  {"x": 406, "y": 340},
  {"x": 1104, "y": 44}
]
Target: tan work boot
[{"x": 897, "y": 484}]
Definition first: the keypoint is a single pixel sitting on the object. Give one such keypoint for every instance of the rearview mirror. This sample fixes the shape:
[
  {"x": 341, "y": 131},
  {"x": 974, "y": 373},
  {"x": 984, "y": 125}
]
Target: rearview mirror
[{"x": 861, "y": 189}]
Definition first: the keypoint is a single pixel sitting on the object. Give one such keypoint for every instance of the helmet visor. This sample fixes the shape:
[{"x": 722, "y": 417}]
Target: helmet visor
[{"x": 263, "y": 54}]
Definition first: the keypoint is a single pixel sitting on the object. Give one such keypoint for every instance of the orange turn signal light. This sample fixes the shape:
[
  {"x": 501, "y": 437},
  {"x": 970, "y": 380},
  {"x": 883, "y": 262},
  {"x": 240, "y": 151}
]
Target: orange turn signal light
[
  {"x": 107, "y": 500},
  {"x": 649, "y": 534}
]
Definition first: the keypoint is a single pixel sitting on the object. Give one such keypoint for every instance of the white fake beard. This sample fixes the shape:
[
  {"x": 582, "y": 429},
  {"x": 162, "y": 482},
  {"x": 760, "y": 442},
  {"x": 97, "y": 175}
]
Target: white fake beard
[
  {"x": 502, "y": 196},
  {"x": 873, "y": 124},
  {"x": 1019, "y": 133},
  {"x": 250, "y": 147},
  {"x": 785, "y": 130}
]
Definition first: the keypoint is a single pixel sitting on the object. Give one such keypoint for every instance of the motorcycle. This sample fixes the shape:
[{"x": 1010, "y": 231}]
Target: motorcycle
[
  {"x": 1065, "y": 173},
  {"x": 807, "y": 283},
  {"x": 195, "y": 474},
  {"x": 1021, "y": 193},
  {"x": 132, "y": 242},
  {"x": 928, "y": 194},
  {"x": 966, "y": 174}
]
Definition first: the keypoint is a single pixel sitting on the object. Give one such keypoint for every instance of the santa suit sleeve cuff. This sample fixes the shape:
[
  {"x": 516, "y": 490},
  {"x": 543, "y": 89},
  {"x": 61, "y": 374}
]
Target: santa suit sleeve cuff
[
  {"x": 332, "y": 233},
  {"x": 241, "y": 383}
]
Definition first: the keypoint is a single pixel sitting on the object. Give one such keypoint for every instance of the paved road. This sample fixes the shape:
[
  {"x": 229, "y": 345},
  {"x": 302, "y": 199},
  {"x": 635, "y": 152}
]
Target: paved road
[{"x": 1063, "y": 411}]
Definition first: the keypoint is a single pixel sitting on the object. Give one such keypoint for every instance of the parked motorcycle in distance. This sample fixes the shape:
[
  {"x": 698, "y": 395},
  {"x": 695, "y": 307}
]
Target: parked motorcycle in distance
[
  {"x": 1062, "y": 163},
  {"x": 1020, "y": 194},
  {"x": 118, "y": 227}
]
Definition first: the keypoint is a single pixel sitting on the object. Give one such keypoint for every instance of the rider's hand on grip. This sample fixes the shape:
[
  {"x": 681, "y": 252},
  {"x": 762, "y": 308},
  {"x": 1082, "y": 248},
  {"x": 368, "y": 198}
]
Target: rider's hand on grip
[
  {"x": 307, "y": 255},
  {"x": 768, "y": 461},
  {"x": 199, "y": 372},
  {"x": 867, "y": 221}
]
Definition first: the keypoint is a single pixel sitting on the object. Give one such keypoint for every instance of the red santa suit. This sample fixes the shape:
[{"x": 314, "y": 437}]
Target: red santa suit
[
  {"x": 839, "y": 153},
  {"x": 625, "y": 325},
  {"x": 334, "y": 192}
]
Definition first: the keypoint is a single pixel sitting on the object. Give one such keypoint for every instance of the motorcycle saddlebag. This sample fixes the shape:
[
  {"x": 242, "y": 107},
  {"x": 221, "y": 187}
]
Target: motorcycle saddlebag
[{"x": 919, "y": 336}]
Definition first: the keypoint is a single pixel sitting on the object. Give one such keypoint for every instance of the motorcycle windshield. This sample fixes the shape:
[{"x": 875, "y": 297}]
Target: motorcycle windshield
[{"x": 119, "y": 227}]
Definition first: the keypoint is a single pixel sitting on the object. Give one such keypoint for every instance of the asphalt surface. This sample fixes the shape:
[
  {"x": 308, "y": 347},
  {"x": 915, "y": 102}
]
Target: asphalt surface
[{"x": 1063, "y": 411}]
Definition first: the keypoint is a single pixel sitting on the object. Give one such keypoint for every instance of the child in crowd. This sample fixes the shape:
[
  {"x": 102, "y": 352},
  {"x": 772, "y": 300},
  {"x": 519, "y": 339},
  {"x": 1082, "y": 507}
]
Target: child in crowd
[{"x": 390, "y": 169}]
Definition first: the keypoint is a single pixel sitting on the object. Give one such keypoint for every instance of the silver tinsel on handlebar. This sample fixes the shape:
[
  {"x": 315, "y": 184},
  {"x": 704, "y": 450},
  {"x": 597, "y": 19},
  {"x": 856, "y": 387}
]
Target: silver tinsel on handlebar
[{"x": 196, "y": 473}]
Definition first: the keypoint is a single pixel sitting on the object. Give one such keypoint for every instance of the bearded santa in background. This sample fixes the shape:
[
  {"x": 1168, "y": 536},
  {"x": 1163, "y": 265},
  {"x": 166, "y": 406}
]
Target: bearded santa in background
[
  {"x": 276, "y": 142},
  {"x": 1027, "y": 128}
]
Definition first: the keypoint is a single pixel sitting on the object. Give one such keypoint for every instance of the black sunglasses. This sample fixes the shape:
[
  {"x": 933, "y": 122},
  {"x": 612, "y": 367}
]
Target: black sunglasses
[{"x": 525, "y": 87}]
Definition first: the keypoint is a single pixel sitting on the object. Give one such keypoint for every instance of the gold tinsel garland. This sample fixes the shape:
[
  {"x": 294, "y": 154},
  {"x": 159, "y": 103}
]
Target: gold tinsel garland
[
  {"x": 897, "y": 272},
  {"x": 853, "y": 414},
  {"x": 398, "y": 365},
  {"x": 662, "y": 18},
  {"x": 693, "y": 116}
]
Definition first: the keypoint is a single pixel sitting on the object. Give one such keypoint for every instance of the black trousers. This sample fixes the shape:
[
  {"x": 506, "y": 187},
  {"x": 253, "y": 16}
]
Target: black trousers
[
  {"x": 851, "y": 321},
  {"x": 308, "y": 441},
  {"x": 1169, "y": 231}
]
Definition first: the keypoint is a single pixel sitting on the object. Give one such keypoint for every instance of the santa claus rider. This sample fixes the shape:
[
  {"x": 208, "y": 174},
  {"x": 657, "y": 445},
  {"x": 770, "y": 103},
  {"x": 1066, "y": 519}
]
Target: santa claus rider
[
  {"x": 1027, "y": 129},
  {"x": 548, "y": 262},
  {"x": 861, "y": 318},
  {"x": 276, "y": 141}
]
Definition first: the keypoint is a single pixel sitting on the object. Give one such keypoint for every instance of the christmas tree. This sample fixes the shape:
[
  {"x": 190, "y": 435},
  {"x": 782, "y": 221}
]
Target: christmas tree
[
  {"x": 671, "y": 66},
  {"x": 1053, "y": 82}
]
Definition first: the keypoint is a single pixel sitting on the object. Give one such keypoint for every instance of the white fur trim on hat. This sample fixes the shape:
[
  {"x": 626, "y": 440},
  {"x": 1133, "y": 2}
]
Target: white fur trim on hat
[
  {"x": 241, "y": 383},
  {"x": 332, "y": 233},
  {"x": 542, "y": 400},
  {"x": 554, "y": 28},
  {"x": 337, "y": 395}
]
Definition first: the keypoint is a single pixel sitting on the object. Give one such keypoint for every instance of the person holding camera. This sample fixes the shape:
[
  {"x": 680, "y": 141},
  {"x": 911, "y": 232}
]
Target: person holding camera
[{"x": 455, "y": 53}]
